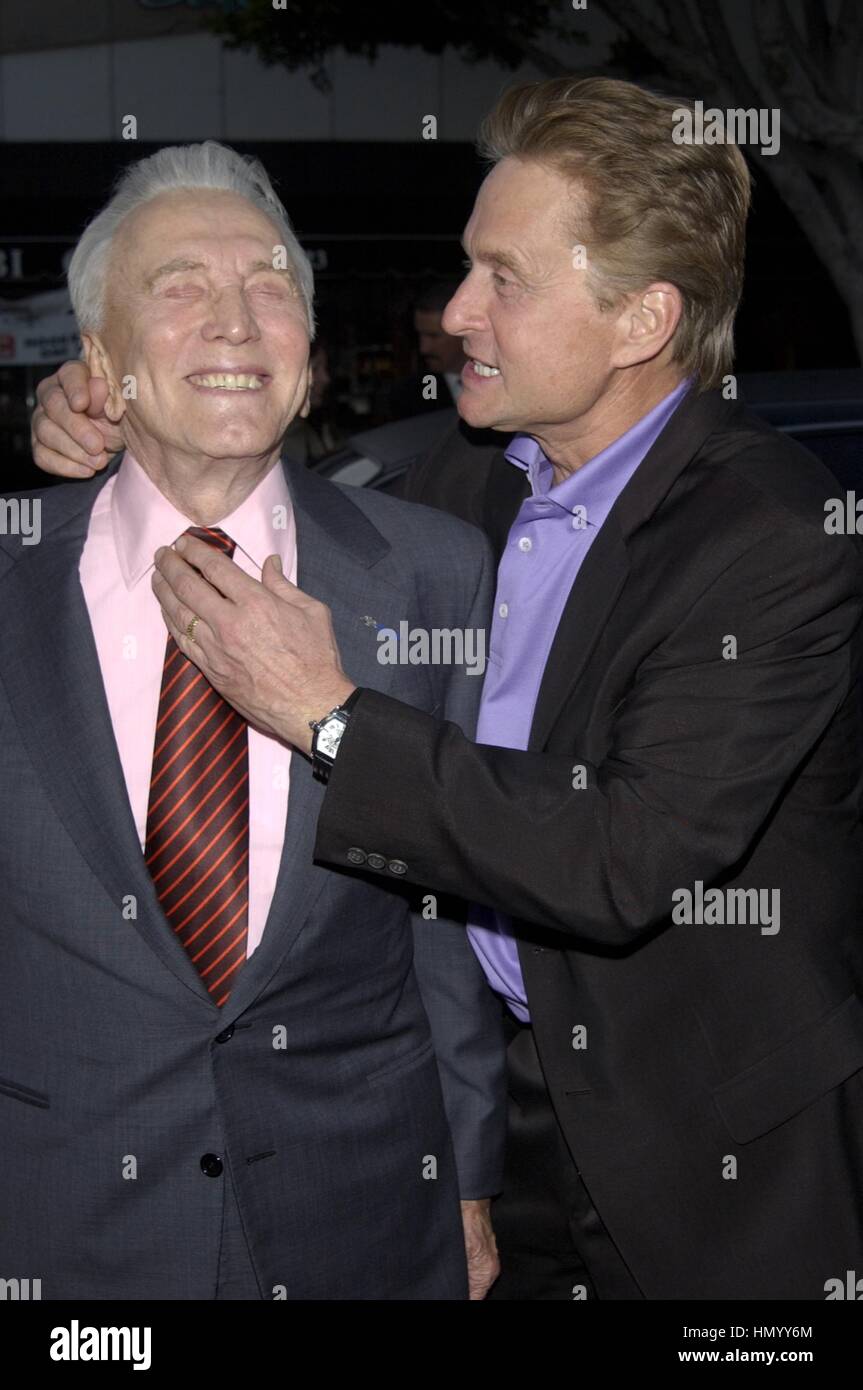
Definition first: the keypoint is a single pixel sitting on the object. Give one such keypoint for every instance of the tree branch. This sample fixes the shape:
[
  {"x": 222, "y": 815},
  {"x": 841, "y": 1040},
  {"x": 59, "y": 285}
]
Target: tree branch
[
  {"x": 677, "y": 58},
  {"x": 813, "y": 119},
  {"x": 815, "y": 70},
  {"x": 845, "y": 55}
]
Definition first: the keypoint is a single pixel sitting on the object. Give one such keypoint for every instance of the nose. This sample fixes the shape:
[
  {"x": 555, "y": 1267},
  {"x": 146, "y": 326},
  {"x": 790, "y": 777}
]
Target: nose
[
  {"x": 231, "y": 317},
  {"x": 464, "y": 313}
]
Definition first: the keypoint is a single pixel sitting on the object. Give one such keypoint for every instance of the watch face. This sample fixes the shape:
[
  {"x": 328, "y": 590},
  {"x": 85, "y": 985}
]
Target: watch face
[{"x": 329, "y": 737}]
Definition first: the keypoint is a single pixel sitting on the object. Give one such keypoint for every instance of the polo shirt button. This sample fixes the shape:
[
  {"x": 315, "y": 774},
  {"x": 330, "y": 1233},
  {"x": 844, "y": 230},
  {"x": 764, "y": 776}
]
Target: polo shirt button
[
  {"x": 397, "y": 866},
  {"x": 503, "y": 610},
  {"x": 525, "y": 543},
  {"x": 356, "y": 856},
  {"x": 377, "y": 861}
]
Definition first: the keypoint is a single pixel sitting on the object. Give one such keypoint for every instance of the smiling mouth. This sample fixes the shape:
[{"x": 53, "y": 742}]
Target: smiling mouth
[
  {"x": 483, "y": 368},
  {"x": 229, "y": 381}
]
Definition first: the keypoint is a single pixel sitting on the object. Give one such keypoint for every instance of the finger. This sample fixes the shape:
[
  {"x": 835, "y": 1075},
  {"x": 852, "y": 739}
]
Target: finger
[
  {"x": 196, "y": 648},
  {"x": 74, "y": 379},
  {"x": 274, "y": 579},
  {"x": 216, "y": 568},
  {"x": 177, "y": 618},
  {"x": 60, "y": 465},
  {"x": 53, "y": 436},
  {"x": 99, "y": 391},
  {"x": 81, "y": 431},
  {"x": 179, "y": 588},
  {"x": 272, "y": 576},
  {"x": 46, "y": 386}
]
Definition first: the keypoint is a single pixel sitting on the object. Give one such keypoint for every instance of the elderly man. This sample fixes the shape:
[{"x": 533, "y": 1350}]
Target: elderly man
[
  {"x": 664, "y": 842},
  {"x": 226, "y": 1073}
]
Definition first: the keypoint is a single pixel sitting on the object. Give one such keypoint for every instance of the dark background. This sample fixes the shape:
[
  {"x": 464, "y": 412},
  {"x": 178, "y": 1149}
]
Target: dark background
[{"x": 380, "y": 219}]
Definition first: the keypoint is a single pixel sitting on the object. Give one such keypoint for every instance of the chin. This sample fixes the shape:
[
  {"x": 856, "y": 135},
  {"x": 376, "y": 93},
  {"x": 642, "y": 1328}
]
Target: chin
[{"x": 473, "y": 414}]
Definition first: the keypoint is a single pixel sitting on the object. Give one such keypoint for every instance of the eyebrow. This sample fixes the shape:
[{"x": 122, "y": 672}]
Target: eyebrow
[
  {"x": 184, "y": 263},
  {"x": 492, "y": 257}
]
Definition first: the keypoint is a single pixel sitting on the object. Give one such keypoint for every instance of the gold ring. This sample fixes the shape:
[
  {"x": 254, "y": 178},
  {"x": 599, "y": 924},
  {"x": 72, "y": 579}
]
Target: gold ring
[{"x": 190, "y": 629}]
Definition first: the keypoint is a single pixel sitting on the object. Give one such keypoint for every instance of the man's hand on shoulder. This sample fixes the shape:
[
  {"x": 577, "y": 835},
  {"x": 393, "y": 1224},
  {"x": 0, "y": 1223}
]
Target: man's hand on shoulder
[{"x": 70, "y": 435}]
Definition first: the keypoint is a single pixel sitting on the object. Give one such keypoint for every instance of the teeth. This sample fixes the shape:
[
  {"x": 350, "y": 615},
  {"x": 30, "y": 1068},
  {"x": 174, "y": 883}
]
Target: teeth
[
  {"x": 228, "y": 381},
  {"x": 482, "y": 370}
]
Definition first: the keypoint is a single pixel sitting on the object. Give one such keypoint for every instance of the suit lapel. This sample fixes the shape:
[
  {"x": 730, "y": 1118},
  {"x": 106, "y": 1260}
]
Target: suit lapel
[
  {"x": 588, "y": 608},
  {"x": 507, "y": 488},
  {"x": 606, "y": 566},
  {"x": 53, "y": 679},
  {"x": 337, "y": 550}
]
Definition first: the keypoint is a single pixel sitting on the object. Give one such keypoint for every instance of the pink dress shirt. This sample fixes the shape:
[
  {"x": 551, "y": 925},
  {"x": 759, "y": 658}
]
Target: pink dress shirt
[{"x": 130, "y": 520}]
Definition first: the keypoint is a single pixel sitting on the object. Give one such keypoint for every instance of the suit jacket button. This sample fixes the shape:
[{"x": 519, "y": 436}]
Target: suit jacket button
[
  {"x": 397, "y": 866},
  {"x": 356, "y": 856},
  {"x": 211, "y": 1164},
  {"x": 377, "y": 861},
  {"x": 226, "y": 1034}
]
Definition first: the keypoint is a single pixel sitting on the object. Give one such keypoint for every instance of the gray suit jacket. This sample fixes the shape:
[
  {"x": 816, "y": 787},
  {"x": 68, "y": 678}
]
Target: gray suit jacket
[{"x": 352, "y": 1087}]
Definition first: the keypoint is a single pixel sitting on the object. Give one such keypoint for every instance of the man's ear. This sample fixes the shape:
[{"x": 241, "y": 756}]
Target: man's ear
[
  {"x": 647, "y": 323},
  {"x": 99, "y": 363}
]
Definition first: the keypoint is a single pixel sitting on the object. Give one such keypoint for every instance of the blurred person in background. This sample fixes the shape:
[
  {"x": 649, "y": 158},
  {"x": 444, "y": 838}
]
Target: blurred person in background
[
  {"x": 318, "y": 434},
  {"x": 438, "y": 386}
]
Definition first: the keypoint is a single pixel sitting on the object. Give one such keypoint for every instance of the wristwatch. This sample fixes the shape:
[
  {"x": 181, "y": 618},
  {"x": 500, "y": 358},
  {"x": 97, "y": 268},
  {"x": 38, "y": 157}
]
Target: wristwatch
[{"x": 328, "y": 733}]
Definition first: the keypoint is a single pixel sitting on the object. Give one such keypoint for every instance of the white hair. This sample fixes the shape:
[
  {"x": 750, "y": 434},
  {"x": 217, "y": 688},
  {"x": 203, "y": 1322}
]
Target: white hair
[{"x": 209, "y": 165}]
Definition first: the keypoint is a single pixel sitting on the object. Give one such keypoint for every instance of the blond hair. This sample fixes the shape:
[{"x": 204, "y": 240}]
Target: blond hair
[{"x": 657, "y": 210}]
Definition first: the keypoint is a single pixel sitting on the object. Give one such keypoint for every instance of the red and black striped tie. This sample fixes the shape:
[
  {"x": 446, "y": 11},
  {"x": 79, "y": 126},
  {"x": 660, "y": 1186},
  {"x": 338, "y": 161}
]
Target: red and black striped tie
[{"x": 197, "y": 844}]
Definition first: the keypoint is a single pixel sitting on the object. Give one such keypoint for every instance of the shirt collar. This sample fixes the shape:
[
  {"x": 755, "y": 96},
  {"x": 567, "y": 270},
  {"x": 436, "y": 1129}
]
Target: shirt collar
[
  {"x": 143, "y": 519},
  {"x": 596, "y": 485}
]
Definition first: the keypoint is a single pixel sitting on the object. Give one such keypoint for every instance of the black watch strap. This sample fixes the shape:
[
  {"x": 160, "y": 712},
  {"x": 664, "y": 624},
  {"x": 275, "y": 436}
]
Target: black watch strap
[{"x": 322, "y": 762}]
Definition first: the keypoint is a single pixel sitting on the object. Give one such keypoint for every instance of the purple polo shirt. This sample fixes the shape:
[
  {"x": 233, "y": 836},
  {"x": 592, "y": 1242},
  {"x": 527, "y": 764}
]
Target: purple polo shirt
[{"x": 549, "y": 539}]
